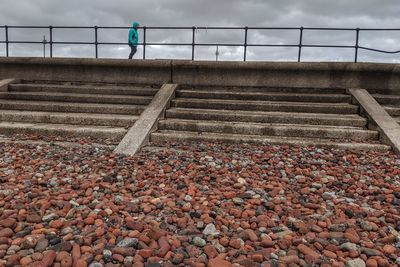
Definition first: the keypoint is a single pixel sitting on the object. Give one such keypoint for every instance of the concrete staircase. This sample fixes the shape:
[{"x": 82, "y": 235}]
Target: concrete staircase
[
  {"x": 391, "y": 103},
  {"x": 306, "y": 116},
  {"x": 72, "y": 109}
]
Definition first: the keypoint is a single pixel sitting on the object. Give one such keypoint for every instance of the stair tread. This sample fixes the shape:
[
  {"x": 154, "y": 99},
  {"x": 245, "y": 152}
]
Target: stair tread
[
  {"x": 193, "y": 136},
  {"x": 392, "y": 106},
  {"x": 39, "y": 103},
  {"x": 386, "y": 96},
  {"x": 260, "y": 102},
  {"x": 68, "y": 114},
  {"x": 273, "y": 125},
  {"x": 269, "y": 113},
  {"x": 92, "y": 87},
  {"x": 75, "y": 95},
  {"x": 260, "y": 93},
  {"x": 69, "y": 127}
]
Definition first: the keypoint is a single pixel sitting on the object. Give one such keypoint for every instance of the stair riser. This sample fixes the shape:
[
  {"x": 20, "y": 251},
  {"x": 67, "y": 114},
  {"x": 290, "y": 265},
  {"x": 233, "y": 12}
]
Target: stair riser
[
  {"x": 62, "y": 133},
  {"x": 386, "y": 100},
  {"x": 300, "y": 98},
  {"x": 235, "y": 117},
  {"x": 72, "y": 90},
  {"x": 267, "y": 107},
  {"x": 66, "y": 120},
  {"x": 394, "y": 111},
  {"x": 270, "y": 90},
  {"x": 79, "y": 99},
  {"x": 134, "y": 110},
  {"x": 160, "y": 138},
  {"x": 269, "y": 130}
]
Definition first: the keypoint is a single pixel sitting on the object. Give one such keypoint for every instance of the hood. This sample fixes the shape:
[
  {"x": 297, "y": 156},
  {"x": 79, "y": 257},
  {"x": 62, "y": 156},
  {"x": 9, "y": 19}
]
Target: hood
[{"x": 135, "y": 24}]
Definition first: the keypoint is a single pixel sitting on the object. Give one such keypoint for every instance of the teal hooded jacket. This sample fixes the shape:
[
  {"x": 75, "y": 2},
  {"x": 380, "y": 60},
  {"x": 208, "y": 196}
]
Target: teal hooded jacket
[{"x": 133, "y": 37}]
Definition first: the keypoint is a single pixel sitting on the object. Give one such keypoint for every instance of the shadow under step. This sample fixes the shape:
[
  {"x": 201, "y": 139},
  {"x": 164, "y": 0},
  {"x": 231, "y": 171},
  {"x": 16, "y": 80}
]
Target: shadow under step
[
  {"x": 297, "y": 90},
  {"x": 288, "y": 130},
  {"x": 161, "y": 137},
  {"x": 267, "y": 117}
]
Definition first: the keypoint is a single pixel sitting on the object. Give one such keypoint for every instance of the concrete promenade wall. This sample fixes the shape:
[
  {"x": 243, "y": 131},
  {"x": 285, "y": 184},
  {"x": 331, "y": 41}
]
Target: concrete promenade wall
[
  {"x": 87, "y": 70},
  {"x": 289, "y": 74},
  {"x": 385, "y": 77}
]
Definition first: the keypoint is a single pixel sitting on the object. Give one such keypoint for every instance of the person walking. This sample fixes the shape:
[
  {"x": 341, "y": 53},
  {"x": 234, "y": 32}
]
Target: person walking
[{"x": 133, "y": 39}]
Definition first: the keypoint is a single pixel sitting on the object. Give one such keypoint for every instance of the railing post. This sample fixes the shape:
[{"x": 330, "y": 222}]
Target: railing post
[
  {"x": 245, "y": 43},
  {"x": 6, "y": 29},
  {"x": 193, "y": 40},
  {"x": 356, "y": 47},
  {"x": 96, "y": 42},
  {"x": 51, "y": 41},
  {"x": 44, "y": 46},
  {"x": 300, "y": 44},
  {"x": 144, "y": 42}
]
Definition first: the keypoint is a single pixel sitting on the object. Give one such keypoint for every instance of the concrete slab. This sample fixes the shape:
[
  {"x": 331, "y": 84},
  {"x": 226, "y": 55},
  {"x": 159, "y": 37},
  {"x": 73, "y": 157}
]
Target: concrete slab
[
  {"x": 139, "y": 134},
  {"x": 4, "y": 84},
  {"x": 388, "y": 128}
]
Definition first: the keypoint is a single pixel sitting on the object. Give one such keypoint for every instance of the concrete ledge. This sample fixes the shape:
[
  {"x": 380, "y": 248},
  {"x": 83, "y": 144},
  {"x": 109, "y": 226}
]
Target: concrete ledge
[
  {"x": 139, "y": 134},
  {"x": 388, "y": 128},
  {"x": 4, "y": 84},
  {"x": 379, "y": 78},
  {"x": 87, "y": 70}
]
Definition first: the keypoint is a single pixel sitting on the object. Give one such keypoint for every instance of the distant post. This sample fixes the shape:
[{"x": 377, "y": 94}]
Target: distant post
[{"x": 44, "y": 45}]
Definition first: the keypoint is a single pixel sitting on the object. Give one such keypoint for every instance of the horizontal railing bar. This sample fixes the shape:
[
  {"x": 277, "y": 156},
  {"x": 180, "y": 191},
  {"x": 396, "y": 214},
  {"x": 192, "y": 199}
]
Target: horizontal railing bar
[
  {"x": 177, "y": 44},
  {"x": 377, "y": 29},
  {"x": 378, "y": 50},
  {"x": 203, "y": 28}
]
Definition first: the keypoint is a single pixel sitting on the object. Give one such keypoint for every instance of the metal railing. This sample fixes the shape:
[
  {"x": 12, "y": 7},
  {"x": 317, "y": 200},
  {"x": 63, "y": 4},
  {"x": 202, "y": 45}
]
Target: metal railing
[{"x": 193, "y": 44}]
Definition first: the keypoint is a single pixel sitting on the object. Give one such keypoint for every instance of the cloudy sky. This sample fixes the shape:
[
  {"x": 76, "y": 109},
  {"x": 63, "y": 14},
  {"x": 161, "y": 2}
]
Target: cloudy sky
[{"x": 207, "y": 13}]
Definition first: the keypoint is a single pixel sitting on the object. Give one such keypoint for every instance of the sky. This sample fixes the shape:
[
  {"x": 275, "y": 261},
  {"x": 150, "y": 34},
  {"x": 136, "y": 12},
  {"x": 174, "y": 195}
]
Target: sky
[{"x": 206, "y": 13}]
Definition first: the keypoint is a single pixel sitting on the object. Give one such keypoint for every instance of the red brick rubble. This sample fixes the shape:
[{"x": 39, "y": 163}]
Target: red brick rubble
[{"x": 198, "y": 204}]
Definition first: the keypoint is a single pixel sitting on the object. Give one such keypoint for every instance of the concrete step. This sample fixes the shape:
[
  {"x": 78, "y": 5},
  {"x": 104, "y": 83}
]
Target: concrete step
[
  {"x": 84, "y": 89},
  {"x": 288, "y": 130},
  {"x": 113, "y": 120},
  {"x": 63, "y": 130},
  {"x": 298, "y": 90},
  {"x": 304, "y": 107},
  {"x": 161, "y": 137},
  {"x": 81, "y": 98},
  {"x": 267, "y": 117},
  {"x": 393, "y": 110},
  {"x": 71, "y": 107},
  {"x": 387, "y": 99},
  {"x": 266, "y": 96}
]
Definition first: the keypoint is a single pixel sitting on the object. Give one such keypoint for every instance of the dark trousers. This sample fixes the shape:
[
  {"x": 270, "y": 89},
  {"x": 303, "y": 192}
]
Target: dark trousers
[{"x": 133, "y": 51}]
